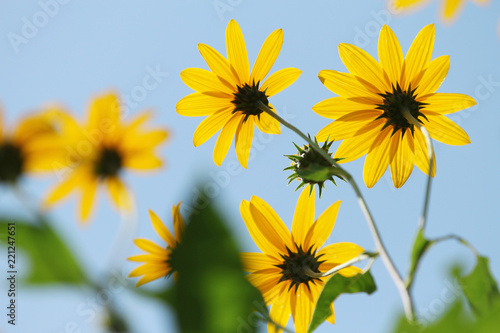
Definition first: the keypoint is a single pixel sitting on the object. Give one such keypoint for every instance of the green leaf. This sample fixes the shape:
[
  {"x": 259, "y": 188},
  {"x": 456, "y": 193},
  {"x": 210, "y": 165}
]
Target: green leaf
[
  {"x": 480, "y": 288},
  {"x": 50, "y": 258},
  {"x": 317, "y": 173},
  {"x": 335, "y": 286},
  {"x": 420, "y": 245},
  {"x": 212, "y": 293}
]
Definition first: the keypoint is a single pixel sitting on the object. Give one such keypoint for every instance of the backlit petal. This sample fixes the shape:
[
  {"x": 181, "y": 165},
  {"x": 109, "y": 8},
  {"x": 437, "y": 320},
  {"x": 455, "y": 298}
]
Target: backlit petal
[
  {"x": 304, "y": 215},
  {"x": 444, "y": 130},
  {"x": 390, "y": 53},
  {"x": 280, "y": 80},
  {"x": 218, "y": 64},
  {"x": 243, "y": 141},
  {"x": 198, "y": 104},
  {"x": 348, "y": 125},
  {"x": 336, "y": 107},
  {"x": 161, "y": 229},
  {"x": 267, "y": 56},
  {"x": 338, "y": 253},
  {"x": 434, "y": 75},
  {"x": 404, "y": 152},
  {"x": 211, "y": 125},
  {"x": 347, "y": 86},
  {"x": 89, "y": 191},
  {"x": 378, "y": 158},
  {"x": 226, "y": 138},
  {"x": 422, "y": 155},
  {"x": 322, "y": 228},
  {"x": 202, "y": 80},
  {"x": 357, "y": 146},
  {"x": 118, "y": 193},
  {"x": 237, "y": 51},
  {"x": 256, "y": 261},
  {"x": 418, "y": 57},
  {"x": 445, "y": 103},
  {"x": 274, "y": 220}
]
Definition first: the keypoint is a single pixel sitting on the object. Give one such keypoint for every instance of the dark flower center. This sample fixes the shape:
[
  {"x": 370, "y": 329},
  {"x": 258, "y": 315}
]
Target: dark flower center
[
  {"x": 394, "y": 104},
  {"x": 292, "y": 268},
  {"x": 11, "y": 162},
  {"x": 248, "y": 99},
  {"x": 109, "y": 163}
]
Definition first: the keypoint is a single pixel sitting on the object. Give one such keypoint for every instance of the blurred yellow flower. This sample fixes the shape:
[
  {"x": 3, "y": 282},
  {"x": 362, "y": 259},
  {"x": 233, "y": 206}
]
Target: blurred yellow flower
[
  {"x": 372, "y": 98},
  {"x": 99, "y": 150},
  {"x": 32, "y": 147},
  {"x": 157, "y": 261},
  {"x": 278, "y": 272},
  {"x": 229, "y": 94},
  {"x": 449, "y": 8}
]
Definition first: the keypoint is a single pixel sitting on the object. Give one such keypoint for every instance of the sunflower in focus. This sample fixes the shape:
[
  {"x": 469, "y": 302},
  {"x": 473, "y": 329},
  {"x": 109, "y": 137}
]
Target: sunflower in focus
[
  {"x": 99, "y": 151},
  {"x": 449, "y": 8},
  {"x": 376, "y": 97},
  {"x": 231, "y": 95},
  {"x": 278, "y": 272},
  {"x": 33, "y": 147},
  {"x": 158, "y": 260}
]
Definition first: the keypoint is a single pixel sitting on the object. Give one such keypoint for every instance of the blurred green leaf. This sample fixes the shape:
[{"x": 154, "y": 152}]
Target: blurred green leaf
[
  {"x": 420, "y": 245},
  {"x": 480, "y": 288},
  {"x": 212, "y": 293},
  {"x": 50, "y": 258},
  {"x": 335, "y": 286}
]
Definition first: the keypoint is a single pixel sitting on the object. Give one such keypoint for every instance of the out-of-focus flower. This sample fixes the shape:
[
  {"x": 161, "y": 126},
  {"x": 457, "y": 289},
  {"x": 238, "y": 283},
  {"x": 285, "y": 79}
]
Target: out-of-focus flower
[
  {"x": 279, "y": 272},
  {"x": 101, "y": 149},
  {"x": 158, "y": 260},
  {"x": 34, "y": 146},
  {"x": 230, "y": 95},
  {"x": 449, "y": 8},
  {"x": 374, "y": 98}
]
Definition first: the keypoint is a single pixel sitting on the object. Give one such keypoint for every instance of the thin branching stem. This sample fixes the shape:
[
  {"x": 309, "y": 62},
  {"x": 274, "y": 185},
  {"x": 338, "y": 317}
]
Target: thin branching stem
[
  {"x": 386, "y": 259},
  {"x": 309, "y": 272}
]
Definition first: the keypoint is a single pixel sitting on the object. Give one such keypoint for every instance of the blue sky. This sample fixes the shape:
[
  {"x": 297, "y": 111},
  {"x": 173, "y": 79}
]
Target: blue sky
[{"x": 78, "y": 50}]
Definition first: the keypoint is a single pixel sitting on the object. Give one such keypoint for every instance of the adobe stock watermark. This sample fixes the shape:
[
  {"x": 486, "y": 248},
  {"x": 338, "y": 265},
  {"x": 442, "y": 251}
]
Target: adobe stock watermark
[
  {"x": 221, "y": 178},
  {"x": 96, "y": 304},
  {"x": 92, "y": 138},
  {"x": 31, "y": 25},
  {"x": 222, "y": 7},
  {"x": 438, "y": 305}
]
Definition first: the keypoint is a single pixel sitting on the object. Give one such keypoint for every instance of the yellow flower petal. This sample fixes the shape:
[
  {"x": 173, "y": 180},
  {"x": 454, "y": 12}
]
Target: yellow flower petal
[
  {"x": 243, "y": 141},
  {"x": 271, "y": 229},
  {"x": 444, "y": 130},
  {"x": 198, "y": 104},
  {"x": 218, "y": 64},
  {"x": 390, "y": 54},
  {"x": 348, "y": 125},
  {"x": 161, "y": 229},
  {"x": 403, "y": 149},
  {"x": 302, "y": 308},
  {"x": 273, "y": 219},
  {"x": 104, "y": 112},
  {"x": 256, "y": 261},
  {"x": 378, "y": 158},
  {"x": 361, "y": 64},
  {"x": 257, "y": 236},
  {"x": 268, "y": 124},
  {"x": 150, "y": 258},
  {"x": 303, "y": 217},
  {"x": 353, "y": 148},
  {"x": 143, "y": 161},
  {"x": 422, "y": 155},
  {"x": 280, "y": 80},
  {"x": 202, "y": 80},
  {"x": 267, "y": 56},
  {"x": 65, "y": 187},
  {"x": 151, "y": 277},
  {"x": 322, "y": 228},
  {"x": 226, "y": 138},
  {"x": 148, "y": 246},
  {"x": 445, "y": 103},
  {"x": 178, "y": 222},
  {"x": 336, "y": 107},
  {"x": 434, "y": 76},
  {"x": 418, "y": 57},
  {"x": 347, "y": 86},
  {"x": 211, "y": 125},
  {"x": 450, "y": 9},
  {"x": 237, "y": 51},
  {"x": 280, "y": 313},
  {"x": 118, "y": 193},
  {"x": 89, "y": 192},
  {"x": 338, "y": 253}
]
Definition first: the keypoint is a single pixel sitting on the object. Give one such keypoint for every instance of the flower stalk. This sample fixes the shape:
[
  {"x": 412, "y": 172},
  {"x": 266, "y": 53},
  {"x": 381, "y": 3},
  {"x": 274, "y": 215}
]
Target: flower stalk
[
  {"x": 386, "y": 259},
  {"x": 334, "y": 270}
]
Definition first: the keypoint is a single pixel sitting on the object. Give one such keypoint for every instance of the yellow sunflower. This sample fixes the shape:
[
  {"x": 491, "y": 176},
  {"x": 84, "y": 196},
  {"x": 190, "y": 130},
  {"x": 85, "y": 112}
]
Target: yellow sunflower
[
  {"x": 32, "y": 147},
  {"x": 157, "y": 261},
  {"x": 372, "y": 98},
  {"x": 449, "y": 8},
  {"x": 98, "y": 151},
  {"x": 278, "y": 272},
  {"x": 229, "y": 94}
]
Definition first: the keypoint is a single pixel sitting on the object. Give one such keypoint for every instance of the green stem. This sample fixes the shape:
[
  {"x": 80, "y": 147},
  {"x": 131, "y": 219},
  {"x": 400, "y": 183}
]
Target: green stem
[
  {"x": 386, "y": 259},
  {"x": 309, "y": 272}
]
